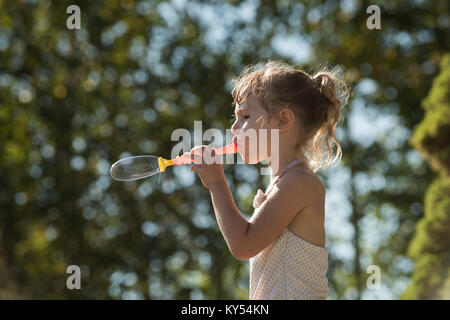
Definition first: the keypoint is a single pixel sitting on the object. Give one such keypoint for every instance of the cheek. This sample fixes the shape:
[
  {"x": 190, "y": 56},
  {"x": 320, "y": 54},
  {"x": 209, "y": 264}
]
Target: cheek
[
  {"x": 264, "y": 144},
  {"x": 247, "y": 125}
]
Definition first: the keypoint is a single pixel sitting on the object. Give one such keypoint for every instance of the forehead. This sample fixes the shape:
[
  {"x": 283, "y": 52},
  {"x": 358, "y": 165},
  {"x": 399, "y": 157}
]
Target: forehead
[{"x": 249, "y": 103}]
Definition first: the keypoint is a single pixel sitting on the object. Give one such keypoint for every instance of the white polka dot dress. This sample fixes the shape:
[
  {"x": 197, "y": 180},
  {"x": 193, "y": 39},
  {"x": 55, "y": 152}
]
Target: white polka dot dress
[{"x": 290, "y": 268}]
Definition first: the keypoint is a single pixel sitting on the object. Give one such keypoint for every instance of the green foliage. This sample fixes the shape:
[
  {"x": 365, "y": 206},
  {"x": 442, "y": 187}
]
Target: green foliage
[
  {"x": 431, "y": 244},
  {"x": 401, "y": 64},
  {"x": 71, "y": 104},
  {"x": 74, "y": 102},
  {"x": 432, "y": 135}
]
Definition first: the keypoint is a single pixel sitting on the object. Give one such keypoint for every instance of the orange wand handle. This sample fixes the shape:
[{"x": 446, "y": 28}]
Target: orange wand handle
[{"x": 229, "y": 149}]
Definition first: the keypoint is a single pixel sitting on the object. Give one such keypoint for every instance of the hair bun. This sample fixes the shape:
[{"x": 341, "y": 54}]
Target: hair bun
[
  {"x": 327, "y": 86},
  {"x": 320, "y": 79}
]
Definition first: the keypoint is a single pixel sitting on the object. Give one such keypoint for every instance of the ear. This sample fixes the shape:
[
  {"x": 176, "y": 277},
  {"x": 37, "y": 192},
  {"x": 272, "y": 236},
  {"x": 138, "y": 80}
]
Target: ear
[{"x": 286, "y": 119}]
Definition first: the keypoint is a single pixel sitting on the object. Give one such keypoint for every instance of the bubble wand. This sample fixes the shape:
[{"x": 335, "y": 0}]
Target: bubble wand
[{"x": 139, "y": 167}]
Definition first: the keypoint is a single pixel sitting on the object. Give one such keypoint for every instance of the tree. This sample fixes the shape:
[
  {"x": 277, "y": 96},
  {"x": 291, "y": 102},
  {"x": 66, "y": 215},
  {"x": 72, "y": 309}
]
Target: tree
[
  {"x": 431, "y": 244},
  {"x": 72, "y": 102},
  {"x": 384, "y": 178}
]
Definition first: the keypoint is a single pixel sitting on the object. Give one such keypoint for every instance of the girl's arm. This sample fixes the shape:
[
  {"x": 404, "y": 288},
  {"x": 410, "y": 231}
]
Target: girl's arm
[
  {"x": 245, "y": 239},
  {"x": 232, "y": 224}
]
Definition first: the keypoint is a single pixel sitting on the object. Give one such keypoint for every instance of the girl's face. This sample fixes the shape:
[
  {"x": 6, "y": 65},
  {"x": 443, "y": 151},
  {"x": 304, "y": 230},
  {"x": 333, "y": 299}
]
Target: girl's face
[{"x": 253, "y": 131}]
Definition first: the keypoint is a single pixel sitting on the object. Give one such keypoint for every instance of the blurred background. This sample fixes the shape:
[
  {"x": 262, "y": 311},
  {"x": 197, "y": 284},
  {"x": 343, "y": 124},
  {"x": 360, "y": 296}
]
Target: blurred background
[{"x": 72, "y": 102}]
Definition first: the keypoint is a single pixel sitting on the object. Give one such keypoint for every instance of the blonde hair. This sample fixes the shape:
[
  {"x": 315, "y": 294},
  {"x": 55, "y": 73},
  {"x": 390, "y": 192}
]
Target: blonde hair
[{"x": 316, "y": 100}]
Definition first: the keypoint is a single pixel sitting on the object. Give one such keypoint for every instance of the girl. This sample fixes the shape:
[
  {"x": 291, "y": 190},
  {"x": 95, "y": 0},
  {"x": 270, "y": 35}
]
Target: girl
[{"x": 285, "y": 237}]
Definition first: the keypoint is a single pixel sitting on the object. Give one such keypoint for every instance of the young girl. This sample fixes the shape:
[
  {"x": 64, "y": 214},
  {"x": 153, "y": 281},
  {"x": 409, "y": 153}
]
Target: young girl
[{"x": 285, "y": 237}]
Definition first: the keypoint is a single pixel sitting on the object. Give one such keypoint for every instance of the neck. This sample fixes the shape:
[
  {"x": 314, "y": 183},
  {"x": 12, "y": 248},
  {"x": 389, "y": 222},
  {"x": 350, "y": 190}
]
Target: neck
[{"x": 285, "y": 157}]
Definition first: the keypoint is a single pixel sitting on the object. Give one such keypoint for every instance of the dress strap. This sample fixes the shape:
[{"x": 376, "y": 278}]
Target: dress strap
[
  {"x": 261, "y": 196},
  {"x": 290, "y": 165}
]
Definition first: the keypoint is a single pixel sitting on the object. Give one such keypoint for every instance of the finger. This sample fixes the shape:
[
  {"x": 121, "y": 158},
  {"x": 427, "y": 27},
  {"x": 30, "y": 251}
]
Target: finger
[
  {"x": 197, "y": 159},
  {"x": 210, "y": 156},
  {"x": 196, "y": 167},
  {"x": 197, "y": 150},
  {"x": 200, "y": 149}
]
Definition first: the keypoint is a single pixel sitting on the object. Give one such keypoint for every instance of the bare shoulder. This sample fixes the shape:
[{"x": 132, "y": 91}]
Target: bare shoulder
[
  {"x": 299, "y": 178},
  {"x": 308, "y": 223}
]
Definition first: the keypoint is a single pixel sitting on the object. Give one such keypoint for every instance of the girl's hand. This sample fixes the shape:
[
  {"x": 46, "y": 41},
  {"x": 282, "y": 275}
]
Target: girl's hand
[{"x": 207, "y": 165}]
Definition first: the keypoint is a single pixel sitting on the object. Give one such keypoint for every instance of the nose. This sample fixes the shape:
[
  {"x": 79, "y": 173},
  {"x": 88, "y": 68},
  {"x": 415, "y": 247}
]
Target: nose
[{"x": 234, "y": 129}]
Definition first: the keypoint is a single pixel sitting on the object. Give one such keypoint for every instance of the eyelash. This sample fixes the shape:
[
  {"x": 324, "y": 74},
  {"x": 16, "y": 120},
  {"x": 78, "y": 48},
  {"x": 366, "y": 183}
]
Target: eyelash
[{"x": 233, "y": 117}]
